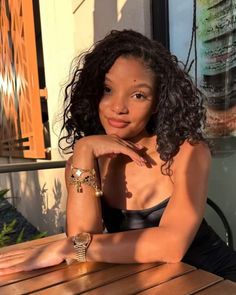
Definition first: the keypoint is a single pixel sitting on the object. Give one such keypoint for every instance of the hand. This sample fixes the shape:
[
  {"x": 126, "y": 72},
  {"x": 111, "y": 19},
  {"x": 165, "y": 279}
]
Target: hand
[
  {"x": 110, "y": 145},
  {"x": 30, "y": 259}
]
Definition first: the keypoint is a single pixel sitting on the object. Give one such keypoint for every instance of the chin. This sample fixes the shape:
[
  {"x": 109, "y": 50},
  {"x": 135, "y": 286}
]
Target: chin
[
  {"x": 119, "y": 132},
  {"x": 124, "y": 134}
]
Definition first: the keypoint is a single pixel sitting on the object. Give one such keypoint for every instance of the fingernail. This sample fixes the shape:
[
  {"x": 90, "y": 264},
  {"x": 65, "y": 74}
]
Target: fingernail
[
  {"x": 143, "y": 160},
  {"x": 139, "y": 146}
]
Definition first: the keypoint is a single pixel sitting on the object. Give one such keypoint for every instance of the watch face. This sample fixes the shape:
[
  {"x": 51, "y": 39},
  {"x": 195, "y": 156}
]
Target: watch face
[{"x": 82, "y": 238}]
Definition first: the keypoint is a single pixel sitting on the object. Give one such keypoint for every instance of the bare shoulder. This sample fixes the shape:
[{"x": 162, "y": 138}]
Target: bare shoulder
[{"x": 195, "y": 155}]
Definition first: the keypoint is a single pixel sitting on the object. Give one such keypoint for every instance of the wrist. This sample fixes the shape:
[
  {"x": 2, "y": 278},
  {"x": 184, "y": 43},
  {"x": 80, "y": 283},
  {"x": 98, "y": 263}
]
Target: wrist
[
  {"x": 77, "y": 246},
  {"x": 85, "y": 144},
  {"x": 83, "y": 155},
  {"x": 67, "y": 250}
]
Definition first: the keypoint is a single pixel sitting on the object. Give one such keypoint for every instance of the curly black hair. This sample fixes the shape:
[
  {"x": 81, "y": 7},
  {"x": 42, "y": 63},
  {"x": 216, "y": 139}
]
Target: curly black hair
[{"x": 180, "y": 112}]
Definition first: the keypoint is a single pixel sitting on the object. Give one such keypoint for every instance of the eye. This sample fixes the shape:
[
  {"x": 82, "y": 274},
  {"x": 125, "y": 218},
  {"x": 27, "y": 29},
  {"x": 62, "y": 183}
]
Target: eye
[
  {"x": 139, "y": 96},
  {"x": 107, "y": 90}
]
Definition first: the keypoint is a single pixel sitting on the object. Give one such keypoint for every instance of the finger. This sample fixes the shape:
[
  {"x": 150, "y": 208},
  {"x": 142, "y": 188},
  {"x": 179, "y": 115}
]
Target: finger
[
  {"x": 12, "y": 260},
  {"x": 128, "y": 149},
  {"x": 111, "y": 155},
  {"x": 127, "y": 142},
  {"x": 22, "y": 266},
  {"x": 11, "y": 270},
  {"x": 12, "y": 253},
  {"x": 136, "y": 145},
  {"x": 134, "y": 156},
  {"x": 132, "y": 145}
]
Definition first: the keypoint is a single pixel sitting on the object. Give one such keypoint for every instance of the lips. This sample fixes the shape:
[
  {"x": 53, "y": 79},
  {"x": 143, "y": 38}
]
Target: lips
[{"x": 117, "y": 123}]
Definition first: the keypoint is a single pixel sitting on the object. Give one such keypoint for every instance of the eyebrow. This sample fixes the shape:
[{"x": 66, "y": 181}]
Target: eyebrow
[
  {"x": 144, "y": 85},
  {"x": 137, "y": 85}
]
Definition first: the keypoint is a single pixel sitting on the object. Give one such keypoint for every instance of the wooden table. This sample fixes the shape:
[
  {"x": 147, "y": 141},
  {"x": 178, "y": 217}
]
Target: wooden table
[{"x": 113, "y": 279}]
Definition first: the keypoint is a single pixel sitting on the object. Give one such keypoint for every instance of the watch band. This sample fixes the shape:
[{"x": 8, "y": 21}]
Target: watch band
[{"x": 81, "y": 243}]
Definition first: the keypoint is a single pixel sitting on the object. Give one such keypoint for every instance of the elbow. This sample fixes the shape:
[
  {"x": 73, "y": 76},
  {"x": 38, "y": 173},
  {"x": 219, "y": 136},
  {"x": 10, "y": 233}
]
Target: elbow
[
  {"x": 175, "y": 258},
  {"x": 175, "y": 252},
  {"x": 168, "y": 255},
  {"x": 165, "y": 247}
]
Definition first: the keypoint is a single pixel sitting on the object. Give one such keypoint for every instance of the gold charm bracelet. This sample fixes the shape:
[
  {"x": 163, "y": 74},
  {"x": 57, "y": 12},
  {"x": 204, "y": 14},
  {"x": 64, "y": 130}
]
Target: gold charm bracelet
[{"x": 76, "y": 179}]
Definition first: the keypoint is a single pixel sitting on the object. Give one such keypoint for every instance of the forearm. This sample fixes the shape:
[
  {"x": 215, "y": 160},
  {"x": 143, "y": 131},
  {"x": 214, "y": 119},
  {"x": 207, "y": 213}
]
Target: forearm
[
  {"x": 83, "y": 208},
  {"x": 136, "y": 246}
]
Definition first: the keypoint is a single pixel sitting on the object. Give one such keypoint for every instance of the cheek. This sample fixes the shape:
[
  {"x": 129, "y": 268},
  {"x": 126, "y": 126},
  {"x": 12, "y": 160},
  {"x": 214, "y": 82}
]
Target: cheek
[
  {"x": 144, "y": 113},
  {"x": 102, "y": 109},
  {"x": 103, "y": 105},
  {"x": 144, "y": 119}
]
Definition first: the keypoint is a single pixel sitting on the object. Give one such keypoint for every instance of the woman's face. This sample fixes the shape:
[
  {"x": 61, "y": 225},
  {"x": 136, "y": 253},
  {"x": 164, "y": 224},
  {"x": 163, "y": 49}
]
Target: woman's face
[{"x": 128, "y": 99}]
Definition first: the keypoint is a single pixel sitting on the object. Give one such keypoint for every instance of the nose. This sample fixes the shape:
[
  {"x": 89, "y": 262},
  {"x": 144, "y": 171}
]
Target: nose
[{"x": 119, "y": 105}]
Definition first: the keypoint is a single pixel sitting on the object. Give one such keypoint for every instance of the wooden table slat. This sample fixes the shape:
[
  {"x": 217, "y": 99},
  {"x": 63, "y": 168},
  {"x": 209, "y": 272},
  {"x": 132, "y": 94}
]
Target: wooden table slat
[
  {"x": 116, "y": 279},
  {"x": 54, "y": 277},
  {"x": 93, "y": 280},
  {"x": 21, "y": 276},
  {"x": 224, "y": 287},
  {"x": 33, "y": 243},
  {"x": 140, "y": 281},
  {"x": 189, "y": 283}
]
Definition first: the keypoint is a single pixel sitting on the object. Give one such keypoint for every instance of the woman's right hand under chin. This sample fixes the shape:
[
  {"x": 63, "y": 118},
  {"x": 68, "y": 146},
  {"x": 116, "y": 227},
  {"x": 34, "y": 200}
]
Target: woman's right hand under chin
[{"x": 109, "y": 145}]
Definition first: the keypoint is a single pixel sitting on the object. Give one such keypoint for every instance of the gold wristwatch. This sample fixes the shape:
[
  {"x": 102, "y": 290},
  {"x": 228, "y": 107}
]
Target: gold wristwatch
[{"x": 81, "y": 243}]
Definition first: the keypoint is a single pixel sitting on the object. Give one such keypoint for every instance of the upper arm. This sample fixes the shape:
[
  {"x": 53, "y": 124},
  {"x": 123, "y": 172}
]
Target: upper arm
[
  {"x": 186, "y": 207},
  {"x": 83, "y": 211},
  {"x": 68, "y": 171}
]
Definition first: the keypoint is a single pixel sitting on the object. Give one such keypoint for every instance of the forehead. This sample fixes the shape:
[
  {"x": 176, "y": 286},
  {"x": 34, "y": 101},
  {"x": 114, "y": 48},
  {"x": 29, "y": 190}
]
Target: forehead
[{"x": 130, "y": 68}]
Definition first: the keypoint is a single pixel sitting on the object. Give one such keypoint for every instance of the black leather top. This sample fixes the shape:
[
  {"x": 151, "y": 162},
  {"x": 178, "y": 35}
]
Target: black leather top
[
  {"x": 207, "y": 250},
  {"x": 121, "y": 220}
]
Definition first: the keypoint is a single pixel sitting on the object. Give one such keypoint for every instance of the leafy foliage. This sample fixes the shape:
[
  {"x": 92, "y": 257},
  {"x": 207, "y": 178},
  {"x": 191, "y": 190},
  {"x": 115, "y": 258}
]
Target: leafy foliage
[
  {"x": 20, "y": 236},
  {"x": 8, "y": 232},
  {"x": 3, "y": 192},
  {"x": 5, "y": 233},
  {"x": 40, "y": 235}
]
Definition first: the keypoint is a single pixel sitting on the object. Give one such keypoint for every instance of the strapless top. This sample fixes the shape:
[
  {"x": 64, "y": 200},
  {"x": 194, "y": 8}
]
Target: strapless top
[
  {"x": 207, "y": 251},
  {"x": 117, "y": 220}
]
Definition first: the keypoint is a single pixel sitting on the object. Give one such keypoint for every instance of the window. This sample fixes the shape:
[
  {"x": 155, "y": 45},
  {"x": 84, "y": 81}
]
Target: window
[{"x": 22, "y": 83}]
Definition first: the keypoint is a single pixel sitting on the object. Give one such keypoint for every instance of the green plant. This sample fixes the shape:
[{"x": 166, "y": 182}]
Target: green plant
[
  {"x": 3, "y": 192},
  {"x": 20, "y": 236},
  {"x": 6, "y": 231},
  {"x": 9, "y": 229},
  {"x": 40, "y": 235}
]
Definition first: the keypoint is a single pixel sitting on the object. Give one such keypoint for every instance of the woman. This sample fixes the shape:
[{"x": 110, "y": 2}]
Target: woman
[{"x": 134, "y": 121}]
